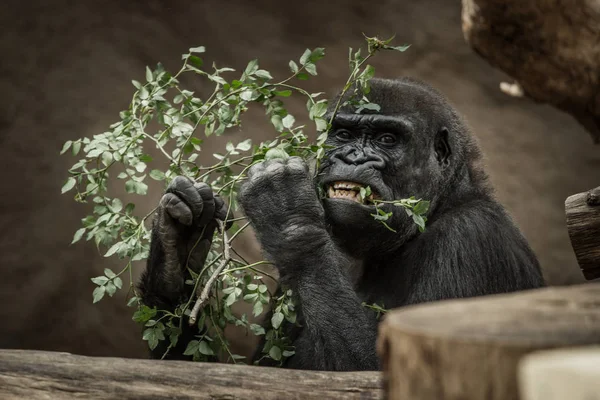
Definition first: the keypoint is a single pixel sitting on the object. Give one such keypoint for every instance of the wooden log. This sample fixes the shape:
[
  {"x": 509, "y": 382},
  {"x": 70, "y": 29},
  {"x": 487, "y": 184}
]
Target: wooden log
[
  {"x": 572, "y": 374},
  {"x": 549, "y": 47},
  {"x": 469, "y": 349},
  {"x": 48, "y": 375},
  {"x": 583, "y": 224}
]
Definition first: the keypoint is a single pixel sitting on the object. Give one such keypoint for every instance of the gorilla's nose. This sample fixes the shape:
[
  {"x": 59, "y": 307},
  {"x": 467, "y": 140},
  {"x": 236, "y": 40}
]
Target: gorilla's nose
[{"x": 361, "y": 156}]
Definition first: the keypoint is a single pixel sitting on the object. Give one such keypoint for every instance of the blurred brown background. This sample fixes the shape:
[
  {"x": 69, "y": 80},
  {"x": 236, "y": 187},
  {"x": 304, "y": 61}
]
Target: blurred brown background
[{"x": 65, "y": 72}]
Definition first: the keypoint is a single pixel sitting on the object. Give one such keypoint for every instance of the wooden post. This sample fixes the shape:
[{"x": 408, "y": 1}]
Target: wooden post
[
  {"x": 469, "y": 349},
  {"x": 572, "y": 374},
  {"x": 583, "y": 223},
  {"x": 47, "y": 375}
]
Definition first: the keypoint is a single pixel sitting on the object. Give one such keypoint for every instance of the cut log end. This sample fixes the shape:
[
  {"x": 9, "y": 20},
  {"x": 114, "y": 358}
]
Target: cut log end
[
  {"x": 470, "y": 349},
  {"x": 583, "y": 223}
]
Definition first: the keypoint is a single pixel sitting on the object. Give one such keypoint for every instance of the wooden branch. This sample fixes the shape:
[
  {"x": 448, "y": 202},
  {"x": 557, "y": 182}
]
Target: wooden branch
[
  {"x": 572, "y": 374},
  {"x": 43, "y": 375},
  {"x": 549, "y": 47},
  {"x": 583, "y": 224},
  {"x": 469, "y": 349}
]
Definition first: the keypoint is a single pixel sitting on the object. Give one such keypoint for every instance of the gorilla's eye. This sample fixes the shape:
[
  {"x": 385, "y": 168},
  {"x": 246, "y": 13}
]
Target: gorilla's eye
[
  {"x": 387, "y": 139},
  {"x": 343, "y": 135}
]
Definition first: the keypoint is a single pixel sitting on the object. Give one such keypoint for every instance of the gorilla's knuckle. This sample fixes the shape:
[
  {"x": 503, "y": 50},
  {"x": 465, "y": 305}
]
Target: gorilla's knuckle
[{"x": 179, "y": 183}]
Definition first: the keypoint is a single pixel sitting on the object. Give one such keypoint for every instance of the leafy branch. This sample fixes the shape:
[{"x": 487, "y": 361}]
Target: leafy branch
[{"x": 184, "y": 120}]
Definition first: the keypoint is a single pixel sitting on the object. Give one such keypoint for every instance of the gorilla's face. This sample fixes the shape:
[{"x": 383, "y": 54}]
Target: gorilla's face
[{"x": 398, "y": 153}]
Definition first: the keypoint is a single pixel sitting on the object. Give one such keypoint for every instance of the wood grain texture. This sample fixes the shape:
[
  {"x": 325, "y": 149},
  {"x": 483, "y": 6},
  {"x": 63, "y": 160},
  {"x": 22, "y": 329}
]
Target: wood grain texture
[
  {"x": 469, "y": 349},
  {"x": 572, "y": 374},
  {"x": 583, "y": 222},
  {"x": 549, "y": 47},
  {"x": 48, "y": 375}
]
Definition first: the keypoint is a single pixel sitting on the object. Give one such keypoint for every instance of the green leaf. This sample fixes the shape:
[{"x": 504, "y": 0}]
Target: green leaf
[
  {"x": 157, "y": 175},
  {"x": 70, "y": 184},
  {"x": 317, "y": 54},
  {"x": 118, "y": 282},
  {"x": 276, "y": 120},
  {"x": 419, "y": 221},
  {"x": 110, "y": 288},
  {"x": 275, "y": 353},
  {"x": 257, "y": 329},
  {"x": 76, "y": 147},
  {"x": 108, "y": 272},
  {"x": 199, "y": 49},
  {"x": 144, "y": 314},
  {"x": 77, "y": 236},
  {"x": 116, "y": 205},
  {"x": 66, "y": 147},
  {"x": 311, "y": 68},
  {"x": 398, "y": 48},
  {"x": 252, "y": 67},
  {"x": 133, "y": 302},
  {"x": 137, "y": 85},
  {"x": 276, "y": 320},
  {"x": 257, "y": 309},
  {"x": 288, "y": 121},
  {"x": 149, "y": 76},
  {"x": 249, "y": 95},
  {"x": 113, "y": 249},
  {"x": 100, "y": 280},
  {"x": 245, "y": 145},
  {"x": 261, "y": 73},
  {"x": 98, "y": 293},
  {"x": 205, "y": 349},
  {"x": 196, "y": 61},
  {"x": 276, "y": 153},
  {"x": 283, "y": 93},
  {"x": 191, "y": 348},
  {"x": 294, "y": 67},
  {"x": 302, "y": 76},
  {"x": 305, "y": 56},
  {"x": 288, "y": 353},
  {"x": 421, "y": 208}
]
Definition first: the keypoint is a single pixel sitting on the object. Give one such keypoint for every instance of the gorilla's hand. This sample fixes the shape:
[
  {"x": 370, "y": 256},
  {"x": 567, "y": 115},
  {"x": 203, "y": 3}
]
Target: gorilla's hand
[
  {"x": 281, "y": 203},
  {"x": 186, "y": 220}
]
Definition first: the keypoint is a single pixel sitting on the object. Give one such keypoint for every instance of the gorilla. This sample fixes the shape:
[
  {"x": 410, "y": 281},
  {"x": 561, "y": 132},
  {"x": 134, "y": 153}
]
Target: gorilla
[{"x": 331, "y": 251}]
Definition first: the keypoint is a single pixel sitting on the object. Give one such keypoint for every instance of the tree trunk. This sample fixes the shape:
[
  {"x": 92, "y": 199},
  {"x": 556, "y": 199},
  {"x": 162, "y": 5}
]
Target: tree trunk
[
  {"x": 43, "y": 375},
  {"x": 551, "y": 48},
  {"x": 583, "y": 223},
  {"x": 469, "y": 349}
]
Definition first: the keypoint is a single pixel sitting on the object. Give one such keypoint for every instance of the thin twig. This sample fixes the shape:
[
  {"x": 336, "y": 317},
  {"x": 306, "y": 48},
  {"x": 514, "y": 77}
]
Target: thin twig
[{"x": 204, "y": 295}]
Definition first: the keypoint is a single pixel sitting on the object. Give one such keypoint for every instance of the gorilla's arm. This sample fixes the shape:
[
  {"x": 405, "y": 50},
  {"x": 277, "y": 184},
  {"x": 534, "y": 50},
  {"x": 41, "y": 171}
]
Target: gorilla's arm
[
  {"x": 182, "y": 232},
  {"x": 478, "y": 251},
  {"x": 337, "y": 332}
]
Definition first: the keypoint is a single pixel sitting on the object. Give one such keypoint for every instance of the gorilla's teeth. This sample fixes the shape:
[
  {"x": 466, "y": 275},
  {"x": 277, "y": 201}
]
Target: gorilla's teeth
[{"x": 343, "y": 194}]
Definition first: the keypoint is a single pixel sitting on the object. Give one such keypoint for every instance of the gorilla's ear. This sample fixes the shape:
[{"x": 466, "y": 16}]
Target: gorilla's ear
[{"x": 442, "y": 148}]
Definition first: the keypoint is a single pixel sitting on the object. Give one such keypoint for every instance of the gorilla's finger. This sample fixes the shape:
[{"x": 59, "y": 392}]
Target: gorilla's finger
[
  {"x": 197, "y": 255},
  {"x": 206, "y": 194},
  {"x": 183, "y": 188},
  {"x": 177, "y": 209},
  {"x": 274, "y": 166},
  {"x": 255, "y": 169},
  {"x": 297, "y": 164},
  {"x": 221, "y": 209}
]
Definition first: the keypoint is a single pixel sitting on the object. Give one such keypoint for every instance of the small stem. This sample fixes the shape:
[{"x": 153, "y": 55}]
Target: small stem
[
  {"x": 231, "y": 239},
  {"x": 204, "y": 295}
]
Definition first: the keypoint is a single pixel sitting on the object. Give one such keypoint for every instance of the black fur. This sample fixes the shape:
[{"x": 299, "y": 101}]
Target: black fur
[{"x": 335, "y": 256}]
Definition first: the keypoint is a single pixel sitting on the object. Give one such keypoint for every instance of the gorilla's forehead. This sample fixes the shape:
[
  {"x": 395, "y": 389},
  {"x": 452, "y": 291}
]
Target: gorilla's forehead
[{"x": 377, "y": 122}]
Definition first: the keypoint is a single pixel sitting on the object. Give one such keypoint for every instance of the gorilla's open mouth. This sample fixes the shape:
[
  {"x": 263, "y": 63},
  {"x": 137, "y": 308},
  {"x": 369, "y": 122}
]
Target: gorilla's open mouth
[{"x": 349, "y": 191}]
